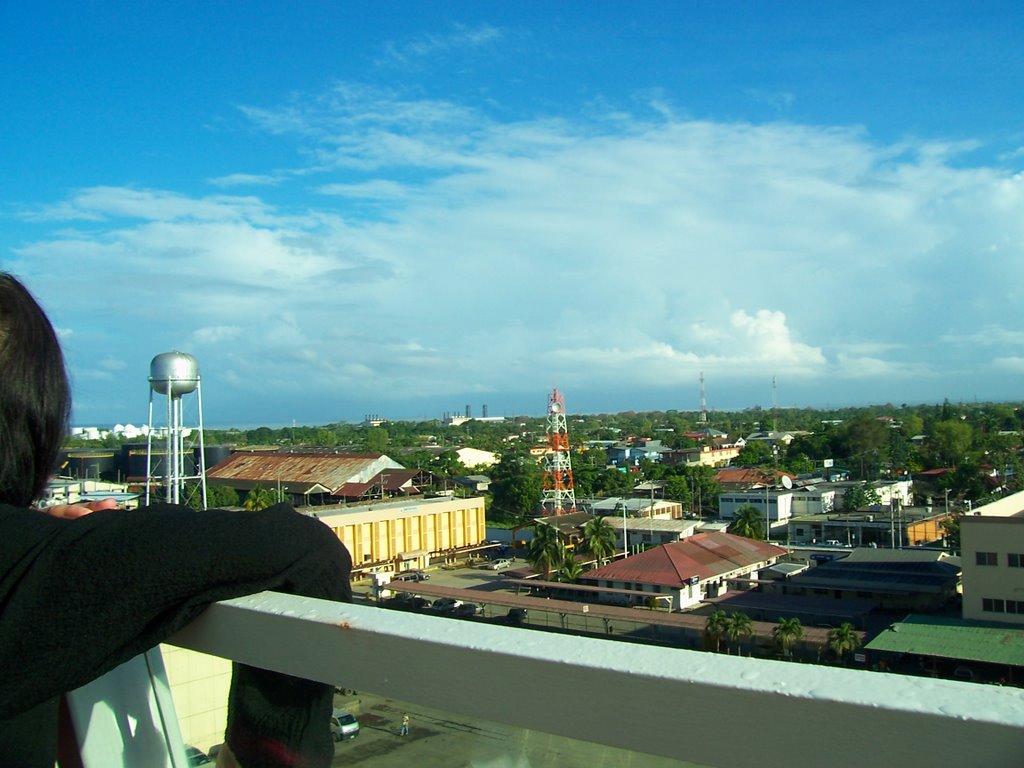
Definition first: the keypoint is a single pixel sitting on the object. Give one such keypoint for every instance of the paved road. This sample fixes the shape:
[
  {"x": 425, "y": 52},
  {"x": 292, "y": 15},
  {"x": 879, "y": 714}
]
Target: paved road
[
  {"x": 438, "y": 738},
  {"x": 442, "y": 739}
]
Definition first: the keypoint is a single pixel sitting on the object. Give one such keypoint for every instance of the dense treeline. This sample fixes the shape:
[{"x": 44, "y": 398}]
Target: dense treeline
[{"x": 980, "y": 444}]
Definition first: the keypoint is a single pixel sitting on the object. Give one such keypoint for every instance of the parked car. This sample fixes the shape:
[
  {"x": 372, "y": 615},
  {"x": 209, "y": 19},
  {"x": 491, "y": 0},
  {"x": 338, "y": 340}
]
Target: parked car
[
  {"x": 963, "y": 673},
  {"x": 515, "y": 616},
  {"x": 500, "y": 565},
  {"x": 466, "y": 610},
  {"x": 445, "y": 604},
  {"x": 411, "y": 576},
  {"x": 344, "y": 725}
]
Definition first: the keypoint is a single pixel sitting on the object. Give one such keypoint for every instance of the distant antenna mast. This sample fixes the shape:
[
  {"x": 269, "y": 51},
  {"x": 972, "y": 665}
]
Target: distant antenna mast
[
  {"x": 775, "y": 420},
  {"x": 703, "y": 417},
  {"x": 559, "y": 497}
]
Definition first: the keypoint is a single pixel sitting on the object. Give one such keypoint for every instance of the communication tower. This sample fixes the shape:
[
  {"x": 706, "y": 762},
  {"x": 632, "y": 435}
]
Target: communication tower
[
  {"x": 559, "y": 498},
  {"x": 174, "y": 375},
  {"x": 703, "y": 417}
]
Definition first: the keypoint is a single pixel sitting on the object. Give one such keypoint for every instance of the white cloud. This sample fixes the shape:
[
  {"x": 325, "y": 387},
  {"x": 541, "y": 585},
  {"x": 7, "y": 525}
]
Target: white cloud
[
  {"x": 461, "y": 38},
  {"x": 245, "y": 180},
  {"x": 852, "y": 368},
  {"x": 216, "y": 334},
  {"x": 987, "y": 336},
  {"x": 1012, "y": 364},
  {"x": 768, "y": 339},
  {"x": 438, "y": 250}
]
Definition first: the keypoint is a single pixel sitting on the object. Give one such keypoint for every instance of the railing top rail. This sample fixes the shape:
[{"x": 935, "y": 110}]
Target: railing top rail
[{"x": 707, "y": 708}]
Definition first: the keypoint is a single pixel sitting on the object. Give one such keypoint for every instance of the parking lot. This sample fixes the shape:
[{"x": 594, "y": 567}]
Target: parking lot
[{"x": 438, "y": 738}]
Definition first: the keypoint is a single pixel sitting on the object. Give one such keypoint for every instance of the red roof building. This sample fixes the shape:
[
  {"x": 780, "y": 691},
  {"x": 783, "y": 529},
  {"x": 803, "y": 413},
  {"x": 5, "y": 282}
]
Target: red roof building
[{"x": 688, "y": 571}]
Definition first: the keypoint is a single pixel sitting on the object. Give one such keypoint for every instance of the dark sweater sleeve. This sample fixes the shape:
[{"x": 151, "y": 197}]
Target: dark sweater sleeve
[{"x": 78, "y": 597}]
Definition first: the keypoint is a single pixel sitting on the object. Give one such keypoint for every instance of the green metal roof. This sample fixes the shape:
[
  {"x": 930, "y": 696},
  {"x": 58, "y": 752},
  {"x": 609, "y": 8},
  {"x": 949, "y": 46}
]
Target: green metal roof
[{"x": 953, "y": 638}]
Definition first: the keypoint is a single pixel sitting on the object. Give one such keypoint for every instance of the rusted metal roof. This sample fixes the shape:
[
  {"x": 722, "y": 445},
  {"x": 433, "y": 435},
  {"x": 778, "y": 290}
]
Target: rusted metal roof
[{"x": 301, "y": 471}]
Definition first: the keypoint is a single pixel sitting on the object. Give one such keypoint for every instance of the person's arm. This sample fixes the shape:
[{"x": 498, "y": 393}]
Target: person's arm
[{"x": 81, "y": 596}]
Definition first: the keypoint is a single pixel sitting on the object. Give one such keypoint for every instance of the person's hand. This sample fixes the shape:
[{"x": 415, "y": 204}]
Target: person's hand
[{"x": 77, "y": 510}]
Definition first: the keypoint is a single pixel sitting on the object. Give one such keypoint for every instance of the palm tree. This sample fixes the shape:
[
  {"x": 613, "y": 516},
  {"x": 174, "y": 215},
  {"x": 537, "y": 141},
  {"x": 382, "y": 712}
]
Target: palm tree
[
  {"x": 599, "y": 537},
  {"x": 747, "y": 523},
  {"x": 787, "y": 632},
  {"x": 714, "y": 629},
  {"x": 843, "y": 640},
  {"x": 260, "y": 498},
  {"x": 569, "y": 569},
  {"x": 545, "y": 549},
  {"x": 739, "y": 626}
]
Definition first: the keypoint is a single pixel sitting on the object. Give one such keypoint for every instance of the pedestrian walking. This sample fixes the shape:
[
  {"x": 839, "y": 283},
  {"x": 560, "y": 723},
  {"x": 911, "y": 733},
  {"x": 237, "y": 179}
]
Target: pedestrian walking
[{"x": 405, "y": 725}]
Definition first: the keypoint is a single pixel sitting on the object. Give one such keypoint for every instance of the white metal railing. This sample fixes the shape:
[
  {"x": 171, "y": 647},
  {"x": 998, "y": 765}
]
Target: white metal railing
[{"x": 700, "y": 707}]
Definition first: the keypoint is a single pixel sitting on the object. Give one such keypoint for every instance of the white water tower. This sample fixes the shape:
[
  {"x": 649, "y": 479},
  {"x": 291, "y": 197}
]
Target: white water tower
[{"x": 174, "y": 375}]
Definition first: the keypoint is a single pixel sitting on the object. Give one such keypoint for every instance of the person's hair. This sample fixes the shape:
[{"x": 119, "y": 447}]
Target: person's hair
[{"x": 35, "y": 398}]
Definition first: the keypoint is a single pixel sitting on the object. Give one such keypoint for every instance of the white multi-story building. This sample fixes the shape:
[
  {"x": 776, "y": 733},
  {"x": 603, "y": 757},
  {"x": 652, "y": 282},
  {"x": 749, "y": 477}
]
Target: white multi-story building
[
  {"x": 992, "y": 543},
  {"x": 775, "y": 504}
]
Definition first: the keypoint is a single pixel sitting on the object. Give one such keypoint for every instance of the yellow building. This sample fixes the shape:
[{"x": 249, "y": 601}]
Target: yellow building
[{"x": 406, "y": 534}]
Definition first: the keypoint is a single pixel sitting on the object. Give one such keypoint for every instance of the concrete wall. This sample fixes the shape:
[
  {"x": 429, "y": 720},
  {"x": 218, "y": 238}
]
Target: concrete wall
[{"x": 199, "y": 687}]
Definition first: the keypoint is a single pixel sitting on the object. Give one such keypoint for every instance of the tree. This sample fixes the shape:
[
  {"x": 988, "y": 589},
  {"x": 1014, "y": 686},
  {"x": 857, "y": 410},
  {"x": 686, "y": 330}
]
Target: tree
[
  {"x": 376, "y": 440},
  {"x": 747, "y": 523},
  {"x": 951, "y": 530},
  {"x": 756, "y": 453},
  {"x": 843, "y": 640},
  {"x": 739, "y": 626},
  {"x": 516, "y": 485},
  {"x": 714, "y": 630},
  {"x": 678, "y": 489},
  {"x": 613, "y": 482},
  {"x": 221, "y": 496},
  {"x": 447, "y": 463},
  {"x": 949, "y": 441},
  {"x": 599, "y": 537},
  {"x": 787, "y": 633},
  {"x": 967, "y": 481},
  {"x": 545, "y": 550},
  {"x": 859, "y": 497},
  {"x": 260, "y": 498},
  {"x": 703, "y": 482},
  {"x": 569, "y": 569},
  {"x": 864, "y": 441}
]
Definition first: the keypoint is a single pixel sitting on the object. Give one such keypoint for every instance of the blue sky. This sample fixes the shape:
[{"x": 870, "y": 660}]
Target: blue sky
[{"x": 406, "y": 208}]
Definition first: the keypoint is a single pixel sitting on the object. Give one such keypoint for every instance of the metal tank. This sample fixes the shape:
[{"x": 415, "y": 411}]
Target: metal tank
[
  {"x": 174, "y": 374},
  {"x": 215, "y": 454}
]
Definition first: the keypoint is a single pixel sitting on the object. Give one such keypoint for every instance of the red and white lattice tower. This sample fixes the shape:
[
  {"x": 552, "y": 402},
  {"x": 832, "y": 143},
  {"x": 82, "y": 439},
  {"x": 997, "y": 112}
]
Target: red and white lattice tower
[{"x": 559, "y": 497}]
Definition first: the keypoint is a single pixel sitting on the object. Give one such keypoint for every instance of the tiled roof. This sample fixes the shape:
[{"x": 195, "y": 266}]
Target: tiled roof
[{"x": 706, "y": 556}]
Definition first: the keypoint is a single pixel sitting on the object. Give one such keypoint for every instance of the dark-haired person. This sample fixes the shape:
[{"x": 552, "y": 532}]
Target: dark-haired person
[{"x": 86, "y": 587}]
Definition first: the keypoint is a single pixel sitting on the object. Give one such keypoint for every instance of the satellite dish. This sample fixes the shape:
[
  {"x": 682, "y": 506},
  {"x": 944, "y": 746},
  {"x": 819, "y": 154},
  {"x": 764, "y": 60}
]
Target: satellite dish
[{"x": 787, "y": 482}]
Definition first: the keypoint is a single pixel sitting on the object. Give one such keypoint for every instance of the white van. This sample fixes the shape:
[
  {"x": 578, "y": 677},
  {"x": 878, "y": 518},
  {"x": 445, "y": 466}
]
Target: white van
[{"x": 344, "y": 725}]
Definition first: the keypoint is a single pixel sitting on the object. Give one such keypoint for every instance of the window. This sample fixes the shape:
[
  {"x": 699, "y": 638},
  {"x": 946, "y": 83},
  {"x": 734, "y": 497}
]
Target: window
[
  {"x": 985, "y": 558},
  {"x": 992, "y": 605},
  {"x": 1015, "y": 560}
]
